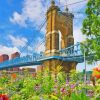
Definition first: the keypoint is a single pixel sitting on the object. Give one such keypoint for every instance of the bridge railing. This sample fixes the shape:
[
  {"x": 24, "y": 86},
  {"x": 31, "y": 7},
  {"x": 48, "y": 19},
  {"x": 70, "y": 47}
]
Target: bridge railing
[
  {"x": 74, "y": 50},
  {"x": 20, "y": 60},
  {"x": 24, "y": 60}
]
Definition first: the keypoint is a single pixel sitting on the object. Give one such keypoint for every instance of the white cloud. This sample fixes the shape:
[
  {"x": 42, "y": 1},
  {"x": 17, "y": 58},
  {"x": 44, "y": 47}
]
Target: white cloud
[
  {"x": 78, "y": 36},
  {"x": 8, "y": 50},
  {"x": 33, "y": 11},
  {"x": 18, "y": 19},
  {"x": 18, "y": 41}
]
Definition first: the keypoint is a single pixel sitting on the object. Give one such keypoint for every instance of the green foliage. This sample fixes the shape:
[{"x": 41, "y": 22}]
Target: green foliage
[
  {"x": 97, "y": 91},
  {"x": 91, "y": 28},
  {"x": 74, "y": 75},
  {"x": 80, "y": 96},
  {"x": 47, "y": 87}
]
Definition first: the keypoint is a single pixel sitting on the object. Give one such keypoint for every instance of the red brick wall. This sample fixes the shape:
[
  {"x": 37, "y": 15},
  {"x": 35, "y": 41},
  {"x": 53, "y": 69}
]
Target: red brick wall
[
  {"x": 3, "y": 58},
  {"x": 14, "y": 55}
]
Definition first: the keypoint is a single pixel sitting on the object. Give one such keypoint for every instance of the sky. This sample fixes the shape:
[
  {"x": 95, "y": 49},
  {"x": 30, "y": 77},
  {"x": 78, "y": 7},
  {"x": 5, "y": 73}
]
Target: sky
[{"x": 21, "y": 20}]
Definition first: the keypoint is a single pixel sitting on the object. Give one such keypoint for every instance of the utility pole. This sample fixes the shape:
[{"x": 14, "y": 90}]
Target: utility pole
[{"x": 85, "y": 77}]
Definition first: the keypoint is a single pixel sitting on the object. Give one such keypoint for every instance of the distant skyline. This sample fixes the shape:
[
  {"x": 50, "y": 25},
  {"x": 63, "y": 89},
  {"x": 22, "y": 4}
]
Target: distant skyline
[{"x": 20, "y": 21}]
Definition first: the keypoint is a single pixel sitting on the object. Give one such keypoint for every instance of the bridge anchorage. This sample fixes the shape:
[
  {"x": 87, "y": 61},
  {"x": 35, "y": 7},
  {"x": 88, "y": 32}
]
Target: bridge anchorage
[{"x": 59, "y": 45}]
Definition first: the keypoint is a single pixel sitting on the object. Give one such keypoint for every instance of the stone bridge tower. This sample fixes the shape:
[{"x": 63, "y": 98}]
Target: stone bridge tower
[{"x": 58, "y": 22}]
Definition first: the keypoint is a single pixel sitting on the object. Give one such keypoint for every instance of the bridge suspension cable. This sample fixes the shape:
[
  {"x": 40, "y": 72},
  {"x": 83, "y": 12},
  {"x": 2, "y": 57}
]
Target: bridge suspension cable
[
  {"x": 30, "y": 42},
  {"x": 41, "y": 42}
]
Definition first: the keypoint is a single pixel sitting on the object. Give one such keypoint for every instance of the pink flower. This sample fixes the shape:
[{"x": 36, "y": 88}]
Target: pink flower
[{"x": 63, "y": 90}]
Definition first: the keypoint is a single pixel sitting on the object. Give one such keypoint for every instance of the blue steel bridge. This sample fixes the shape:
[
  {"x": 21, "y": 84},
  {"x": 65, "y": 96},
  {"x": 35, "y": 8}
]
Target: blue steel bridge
[{"x": 69, "y": 54}]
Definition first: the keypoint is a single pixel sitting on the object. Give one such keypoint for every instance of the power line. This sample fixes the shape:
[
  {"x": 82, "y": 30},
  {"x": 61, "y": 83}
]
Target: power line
[
  {"x": 79, "y": 12},
  {"x": 74, "y": 3}
]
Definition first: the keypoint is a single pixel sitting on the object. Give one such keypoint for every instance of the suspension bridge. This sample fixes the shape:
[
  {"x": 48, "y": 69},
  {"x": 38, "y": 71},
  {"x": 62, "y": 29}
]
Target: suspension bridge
[{"x": 63, "y": 52}]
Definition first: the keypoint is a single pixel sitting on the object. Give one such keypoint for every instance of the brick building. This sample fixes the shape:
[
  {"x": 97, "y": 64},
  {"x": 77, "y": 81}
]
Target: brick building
[
  {"x": 14, "y": 55},
  {"x": 3, "y": 58}
]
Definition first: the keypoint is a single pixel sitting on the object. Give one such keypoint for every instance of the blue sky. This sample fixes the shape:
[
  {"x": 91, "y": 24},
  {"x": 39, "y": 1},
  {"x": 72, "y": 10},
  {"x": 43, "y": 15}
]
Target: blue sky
[{"x": 20, "y": 21}]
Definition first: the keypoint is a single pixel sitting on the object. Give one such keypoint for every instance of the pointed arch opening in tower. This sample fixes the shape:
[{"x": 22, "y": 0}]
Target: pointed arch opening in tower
[{"x": 60, "y": 39}]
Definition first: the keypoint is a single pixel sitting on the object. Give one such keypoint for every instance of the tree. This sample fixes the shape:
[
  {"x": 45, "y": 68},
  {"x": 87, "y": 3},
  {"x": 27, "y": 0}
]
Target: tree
[{"x": 91, "y": 28}]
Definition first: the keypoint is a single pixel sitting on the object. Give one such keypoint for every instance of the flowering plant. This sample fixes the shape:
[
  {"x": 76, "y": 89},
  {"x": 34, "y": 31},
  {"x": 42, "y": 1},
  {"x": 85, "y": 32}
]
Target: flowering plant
[
  {"x": 96, "y": 72},
  {"x": 47, "y": 86}
]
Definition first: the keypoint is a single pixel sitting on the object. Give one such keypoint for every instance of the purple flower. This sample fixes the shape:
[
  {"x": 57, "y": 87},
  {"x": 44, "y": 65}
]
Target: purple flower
[
  {"x": 67, "y": 81},
  {"x": 72, "y": 86}
]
